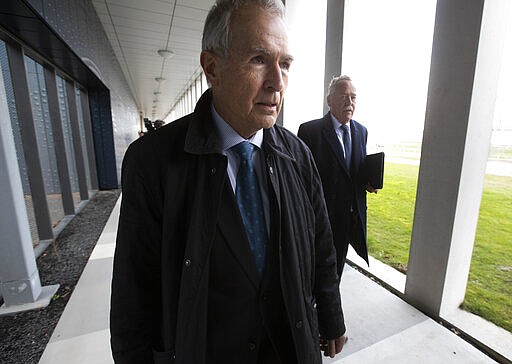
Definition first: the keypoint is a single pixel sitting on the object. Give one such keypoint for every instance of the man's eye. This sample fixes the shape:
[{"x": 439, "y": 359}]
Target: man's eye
[
  {"x": 286, "y": 65},
  {"x": 258, "y": 59}
]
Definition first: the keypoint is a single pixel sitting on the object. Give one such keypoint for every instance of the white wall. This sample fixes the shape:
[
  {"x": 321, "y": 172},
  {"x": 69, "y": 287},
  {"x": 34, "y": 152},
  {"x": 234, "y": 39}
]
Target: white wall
[
  {"x": 386, "y": 50},
  {"x": 306, "y": 28}
]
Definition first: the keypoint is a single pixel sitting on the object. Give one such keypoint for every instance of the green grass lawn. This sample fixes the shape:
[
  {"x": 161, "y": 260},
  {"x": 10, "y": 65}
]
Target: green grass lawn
[{"x": 390, "y": 218}]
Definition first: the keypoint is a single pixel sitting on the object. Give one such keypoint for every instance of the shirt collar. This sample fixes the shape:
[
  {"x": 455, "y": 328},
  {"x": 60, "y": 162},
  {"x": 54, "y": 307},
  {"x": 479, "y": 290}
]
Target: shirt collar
[
  {"x": 229, "y": 137},
  {"x": 336, "y": 124}
]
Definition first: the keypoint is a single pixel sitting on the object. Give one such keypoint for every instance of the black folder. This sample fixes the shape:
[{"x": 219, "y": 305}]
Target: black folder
[{"x": 374, "y": 169}]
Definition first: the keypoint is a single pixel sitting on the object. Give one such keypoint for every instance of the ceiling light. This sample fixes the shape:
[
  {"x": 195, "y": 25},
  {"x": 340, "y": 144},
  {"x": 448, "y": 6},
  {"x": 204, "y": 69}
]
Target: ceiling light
[
  {"x": 165, "y": 53},
  {"x": 159, "y": 79}
]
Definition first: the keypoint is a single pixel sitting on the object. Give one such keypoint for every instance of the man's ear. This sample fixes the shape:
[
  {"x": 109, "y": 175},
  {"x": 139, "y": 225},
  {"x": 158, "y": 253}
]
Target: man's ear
[
  {"x": 328, "y": 100},
  {"x": 209, "y": 63}
]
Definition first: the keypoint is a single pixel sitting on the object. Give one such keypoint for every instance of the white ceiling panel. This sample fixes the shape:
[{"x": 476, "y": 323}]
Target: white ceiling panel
[{"x": 138, "y": 29}]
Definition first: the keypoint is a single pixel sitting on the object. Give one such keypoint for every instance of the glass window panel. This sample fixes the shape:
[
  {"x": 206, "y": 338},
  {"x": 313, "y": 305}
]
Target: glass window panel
[
  {"x": 204, "y": 83},
  {"x": 490, "y": 278},
  {"x": 83, "y": 142},
  {"x": 45, "y": 141},
  {"x": 387, "y": 48},
  {"x": 192, "y": 97},
  {"x": 68, "y": 138},
  {"x": 197, "y": 85}
]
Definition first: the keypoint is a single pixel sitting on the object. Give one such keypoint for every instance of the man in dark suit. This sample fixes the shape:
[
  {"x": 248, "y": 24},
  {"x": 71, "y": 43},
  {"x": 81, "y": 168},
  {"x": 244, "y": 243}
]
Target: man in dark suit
[
  {"x": 338, "y": 144},
  {"x": 224, "y": 251}
]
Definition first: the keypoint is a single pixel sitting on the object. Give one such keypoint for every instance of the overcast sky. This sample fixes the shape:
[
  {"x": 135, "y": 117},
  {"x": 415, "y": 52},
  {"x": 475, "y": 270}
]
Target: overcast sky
[{"x": 387, "y": 50}]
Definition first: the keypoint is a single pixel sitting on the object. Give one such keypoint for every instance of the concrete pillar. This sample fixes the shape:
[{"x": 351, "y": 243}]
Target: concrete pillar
[
  {"x": 20, "y": 285},
  {"x": 333, "y": 42},
  {"x": 305, "y": 21},
  {"x": 466, "y": 54}
]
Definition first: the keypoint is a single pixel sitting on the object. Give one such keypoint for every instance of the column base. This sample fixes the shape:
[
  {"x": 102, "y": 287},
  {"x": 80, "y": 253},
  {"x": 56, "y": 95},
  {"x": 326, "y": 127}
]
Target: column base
[{"x": 42, "y": 301}]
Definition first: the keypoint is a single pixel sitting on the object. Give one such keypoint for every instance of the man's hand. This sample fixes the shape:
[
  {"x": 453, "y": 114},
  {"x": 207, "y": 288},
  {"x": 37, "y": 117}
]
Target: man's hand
[
  {"x": 333, "y": 346},
  {"x": 370, "y": 189}
]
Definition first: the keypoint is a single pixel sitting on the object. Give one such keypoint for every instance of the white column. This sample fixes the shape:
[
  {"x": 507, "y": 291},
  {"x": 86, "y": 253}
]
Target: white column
[
  {"x": 305, "y": 21},
  {"x": 333, "y": 43},
  {"x": 466, "y": 55},
  {"x": 20, "y": 285}
]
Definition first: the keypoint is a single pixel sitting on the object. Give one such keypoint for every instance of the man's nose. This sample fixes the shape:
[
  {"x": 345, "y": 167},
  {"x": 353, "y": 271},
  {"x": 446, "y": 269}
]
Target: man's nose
[{"x": 276, "y": 79}]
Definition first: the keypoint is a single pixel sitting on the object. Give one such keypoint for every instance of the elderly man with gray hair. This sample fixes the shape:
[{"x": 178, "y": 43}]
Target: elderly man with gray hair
[
  {"x": 224, "y": 251},
  {"x": 338, "y": 144}
]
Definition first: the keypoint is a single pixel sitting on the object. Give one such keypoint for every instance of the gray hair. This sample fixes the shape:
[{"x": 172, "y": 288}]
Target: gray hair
[
  {"x": 336, "y": 80},
  {"x": 217, "y": 27}
]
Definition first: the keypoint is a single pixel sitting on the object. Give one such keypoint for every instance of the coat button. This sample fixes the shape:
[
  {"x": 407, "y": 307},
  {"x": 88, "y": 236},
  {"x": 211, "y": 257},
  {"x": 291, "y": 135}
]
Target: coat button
[
  {"x": 213, "y": 171},
  {"x": 188, "y": 262},
  {"x": 299, "y": 324},
  {"x": 251, "y": 346}
]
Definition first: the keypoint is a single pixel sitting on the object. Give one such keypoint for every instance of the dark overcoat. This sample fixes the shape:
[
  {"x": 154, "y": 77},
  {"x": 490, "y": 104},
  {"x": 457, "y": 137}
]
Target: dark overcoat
[{"x": 172, "y": 186}]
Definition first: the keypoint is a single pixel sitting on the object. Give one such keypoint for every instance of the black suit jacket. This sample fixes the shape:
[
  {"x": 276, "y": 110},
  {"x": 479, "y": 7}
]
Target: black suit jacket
[
  {"x": 244, "y": 312},
  {"x": 344, "y": 190}
]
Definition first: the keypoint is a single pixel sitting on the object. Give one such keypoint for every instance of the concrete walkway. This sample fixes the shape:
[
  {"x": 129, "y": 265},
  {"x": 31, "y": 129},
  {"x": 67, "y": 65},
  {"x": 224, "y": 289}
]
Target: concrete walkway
[{"x": 382, "y": 328}]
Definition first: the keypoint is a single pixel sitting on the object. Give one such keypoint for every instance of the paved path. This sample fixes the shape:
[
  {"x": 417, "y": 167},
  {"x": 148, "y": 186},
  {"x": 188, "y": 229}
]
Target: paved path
[{"x": 382, "y": 328}]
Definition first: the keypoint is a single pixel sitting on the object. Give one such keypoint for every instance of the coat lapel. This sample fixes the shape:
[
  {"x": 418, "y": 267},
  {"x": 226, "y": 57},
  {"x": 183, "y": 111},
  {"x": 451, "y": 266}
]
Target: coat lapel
[
  {"x": 334, "y": 143},
  {"x": 232, "y": 228},
  {"x": 358, "y": 143}
]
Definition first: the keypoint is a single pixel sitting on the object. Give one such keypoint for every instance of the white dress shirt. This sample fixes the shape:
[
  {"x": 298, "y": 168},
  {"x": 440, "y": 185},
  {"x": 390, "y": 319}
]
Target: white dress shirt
[
  {"x": 230, "y": 138},
  {"x": 339, "y": 133}
]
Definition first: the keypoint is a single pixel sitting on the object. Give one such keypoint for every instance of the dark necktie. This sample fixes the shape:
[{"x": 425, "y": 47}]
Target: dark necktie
[
  {"x": 346, "y": 144},
  {"x": 248, "y": 197}
]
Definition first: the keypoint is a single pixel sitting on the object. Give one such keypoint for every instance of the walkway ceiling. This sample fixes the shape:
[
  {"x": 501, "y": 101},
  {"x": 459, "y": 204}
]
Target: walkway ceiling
[{"x": 137, "y": 30}]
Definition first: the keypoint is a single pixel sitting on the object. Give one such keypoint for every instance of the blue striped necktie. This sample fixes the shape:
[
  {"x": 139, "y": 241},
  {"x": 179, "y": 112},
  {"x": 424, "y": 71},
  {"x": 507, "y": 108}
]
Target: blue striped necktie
[{"x": 248, "y": 197}]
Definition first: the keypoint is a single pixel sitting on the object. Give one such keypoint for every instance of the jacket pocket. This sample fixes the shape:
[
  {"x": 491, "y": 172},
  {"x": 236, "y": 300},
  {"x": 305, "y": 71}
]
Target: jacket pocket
[{"x": 163, "y": 357}]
